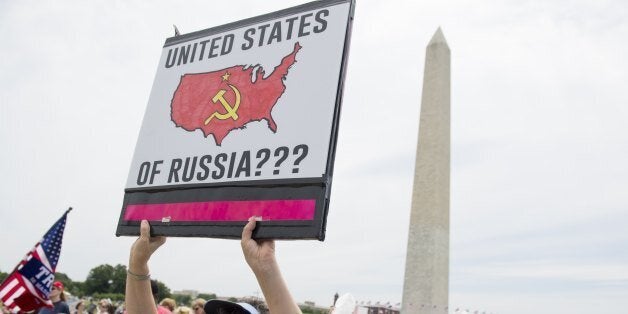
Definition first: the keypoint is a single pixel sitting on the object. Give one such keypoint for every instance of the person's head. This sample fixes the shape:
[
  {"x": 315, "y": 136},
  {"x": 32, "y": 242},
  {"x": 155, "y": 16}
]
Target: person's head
[
  {"x": 197, "y": 306},
  {"x": 168, "y": 303},
  {"x": 183, "y": 310},
  {"x": 226, "y": 307},
  {"x": 154, "y": 289},
  {"x": 105, "y": 305},
  {"x": 111, "y": 309},
  {"x": 80, "y": 307},
  {"x": 56, "y": 292}
]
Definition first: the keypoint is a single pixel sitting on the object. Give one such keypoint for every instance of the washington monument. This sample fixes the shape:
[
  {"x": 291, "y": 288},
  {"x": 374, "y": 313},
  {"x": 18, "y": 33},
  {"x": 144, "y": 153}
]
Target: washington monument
[{"x": 426, "y": 280}]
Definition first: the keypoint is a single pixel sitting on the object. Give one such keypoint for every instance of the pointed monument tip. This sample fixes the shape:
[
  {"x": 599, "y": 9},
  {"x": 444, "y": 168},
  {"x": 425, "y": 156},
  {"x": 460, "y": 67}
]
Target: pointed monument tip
[{"x": 438, "y": 38}]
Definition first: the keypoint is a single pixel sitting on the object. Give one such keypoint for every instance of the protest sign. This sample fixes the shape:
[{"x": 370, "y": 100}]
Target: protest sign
[{"x": 242, "y": 121}]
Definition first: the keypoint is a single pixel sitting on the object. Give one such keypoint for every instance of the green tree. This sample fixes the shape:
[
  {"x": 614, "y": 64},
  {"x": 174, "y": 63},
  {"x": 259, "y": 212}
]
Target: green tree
[
  {"x": 73, "y": 287},
  {"x": 105, "y": 279},
  {"x": 207, "y": 296},
  {"x": 311, "y": 310},
  {"x": 3, "y": 276},
  {"x": 182, "y": 299},
  {"x": 164, "y": 291},
  {"x": 119, "y": 279}
]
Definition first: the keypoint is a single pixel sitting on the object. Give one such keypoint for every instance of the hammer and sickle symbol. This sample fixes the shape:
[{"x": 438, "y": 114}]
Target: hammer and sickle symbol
[{"x": 232, "y": 111}]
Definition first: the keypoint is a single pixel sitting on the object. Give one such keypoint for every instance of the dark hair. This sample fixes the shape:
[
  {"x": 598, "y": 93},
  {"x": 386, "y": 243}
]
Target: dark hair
[
  {"x": 154, "y": 287},
  {"x": 77, "y": 304}
]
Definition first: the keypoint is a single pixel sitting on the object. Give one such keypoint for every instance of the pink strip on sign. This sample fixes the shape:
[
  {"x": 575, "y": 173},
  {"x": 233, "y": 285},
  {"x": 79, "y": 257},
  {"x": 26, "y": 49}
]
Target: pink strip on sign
[{"x": 223, "y": 210}]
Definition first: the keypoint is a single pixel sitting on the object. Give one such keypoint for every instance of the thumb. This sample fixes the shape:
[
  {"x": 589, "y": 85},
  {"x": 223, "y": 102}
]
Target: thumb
[
  {"x": 247, "y": 232},
  {"x": 144, "y": 230}
]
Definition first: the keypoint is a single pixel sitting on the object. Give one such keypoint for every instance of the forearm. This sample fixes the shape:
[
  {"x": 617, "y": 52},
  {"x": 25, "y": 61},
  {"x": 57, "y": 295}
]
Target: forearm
[
  {"x": 276, "y": 291},
  {"x": 139, "y": 297}
]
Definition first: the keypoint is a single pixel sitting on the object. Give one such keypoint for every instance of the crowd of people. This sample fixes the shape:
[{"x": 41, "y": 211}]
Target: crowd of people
[
  {"x": 141, "y": 291},
  {"x": 107, "y": 306}
]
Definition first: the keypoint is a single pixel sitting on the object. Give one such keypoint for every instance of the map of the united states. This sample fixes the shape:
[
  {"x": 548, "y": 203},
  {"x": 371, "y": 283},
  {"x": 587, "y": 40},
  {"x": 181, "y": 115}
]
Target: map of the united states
[{"x": 221, "y": 101}]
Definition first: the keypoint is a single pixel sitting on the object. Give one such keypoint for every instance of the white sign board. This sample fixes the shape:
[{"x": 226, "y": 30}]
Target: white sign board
[
  {"x": 272, "y": 123},
  {"x": 253, "y": 103}
]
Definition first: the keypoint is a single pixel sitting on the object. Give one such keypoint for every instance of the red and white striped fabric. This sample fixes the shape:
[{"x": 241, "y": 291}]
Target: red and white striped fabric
[
  {"x": 27, "y": 288},
  {"x": 19, "y": 295}
]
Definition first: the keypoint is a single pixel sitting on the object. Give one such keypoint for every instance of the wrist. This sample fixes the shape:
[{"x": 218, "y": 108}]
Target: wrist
[
  {"x": 137, "y": 277},
  {"x": 266, "y": 269},
  {"x": 137, "y": 273},
  {"x": 139, "y": 268}
]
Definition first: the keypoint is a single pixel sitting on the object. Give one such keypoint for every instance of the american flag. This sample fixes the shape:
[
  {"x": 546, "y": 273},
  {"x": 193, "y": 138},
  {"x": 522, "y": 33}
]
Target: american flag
[{"x": 28, "y": 286}]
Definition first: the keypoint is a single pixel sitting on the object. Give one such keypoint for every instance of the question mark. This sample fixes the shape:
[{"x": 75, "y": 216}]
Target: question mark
[
  {"x": 283, "y": 151},
  {"x": 266, "y": 153},
  {"x": 303, "y": 148}
]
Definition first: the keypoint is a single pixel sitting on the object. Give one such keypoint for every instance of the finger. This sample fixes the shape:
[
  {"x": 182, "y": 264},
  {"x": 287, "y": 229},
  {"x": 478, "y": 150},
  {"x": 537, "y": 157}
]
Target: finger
[
  {"x": 144, "y": 229},
  {"x": 155, "y": 243},
  {"x": 159, "y": 241},
  {"x": 268, "y": 243},
  {"x": 247, "y": 232}
]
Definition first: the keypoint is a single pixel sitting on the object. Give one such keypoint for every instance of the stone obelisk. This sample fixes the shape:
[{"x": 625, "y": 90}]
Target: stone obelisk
[{"x": 426, "y": 280}]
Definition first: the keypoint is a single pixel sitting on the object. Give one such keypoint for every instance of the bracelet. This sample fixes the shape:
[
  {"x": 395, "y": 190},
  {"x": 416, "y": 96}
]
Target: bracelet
[{"x": 138, "y": 277}]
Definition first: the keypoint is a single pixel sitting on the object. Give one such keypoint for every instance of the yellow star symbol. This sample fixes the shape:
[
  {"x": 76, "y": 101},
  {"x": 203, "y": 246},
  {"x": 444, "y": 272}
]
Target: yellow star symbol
[{"x": 225, "y": 77}]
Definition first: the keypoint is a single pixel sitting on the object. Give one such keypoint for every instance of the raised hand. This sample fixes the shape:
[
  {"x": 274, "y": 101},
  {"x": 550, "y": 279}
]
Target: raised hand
[
  {"x": 259, "y": 254},
  {"x": 138, "y": 295},
  {"x": 143, "y": 248}
]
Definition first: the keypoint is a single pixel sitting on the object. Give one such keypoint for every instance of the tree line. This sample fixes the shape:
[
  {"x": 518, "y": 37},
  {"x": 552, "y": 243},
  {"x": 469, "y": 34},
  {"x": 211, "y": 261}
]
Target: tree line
[{"x": 103, "y": 281}]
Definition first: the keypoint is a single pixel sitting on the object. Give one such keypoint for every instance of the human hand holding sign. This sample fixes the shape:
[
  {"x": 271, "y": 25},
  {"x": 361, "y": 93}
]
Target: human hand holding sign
[
  {"x": 139, "y": 297},
  {"x": 260, "y": 255},
  {"x": 143, "y": 248}
]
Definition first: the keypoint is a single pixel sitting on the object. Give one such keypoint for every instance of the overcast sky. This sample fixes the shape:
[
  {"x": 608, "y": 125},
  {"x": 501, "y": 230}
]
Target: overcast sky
[{"x": 539, "y": 202}]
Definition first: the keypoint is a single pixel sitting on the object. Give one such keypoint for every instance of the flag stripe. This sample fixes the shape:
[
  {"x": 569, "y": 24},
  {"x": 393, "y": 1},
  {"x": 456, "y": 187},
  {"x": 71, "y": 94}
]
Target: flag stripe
[
  {"x": 223, "y": 210},
  {"x": 8, "y": 287},
  {"x": 15, "y": 295}
]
